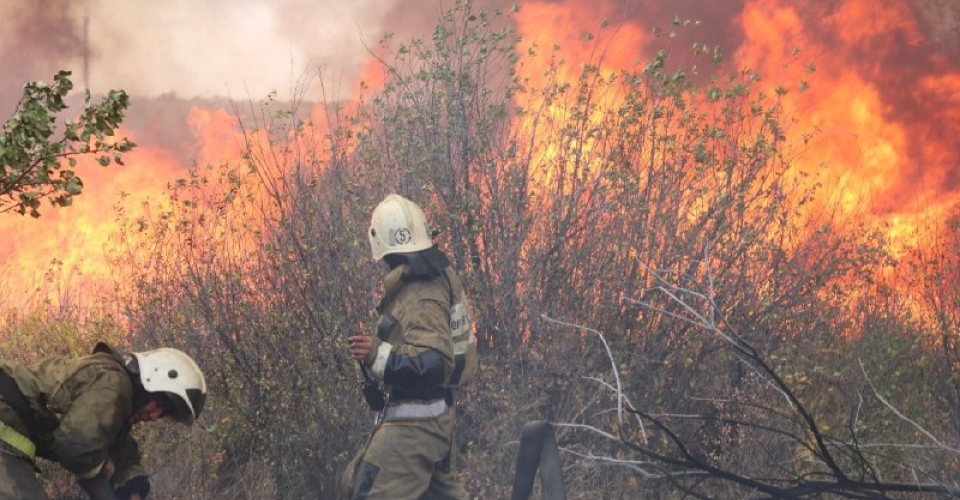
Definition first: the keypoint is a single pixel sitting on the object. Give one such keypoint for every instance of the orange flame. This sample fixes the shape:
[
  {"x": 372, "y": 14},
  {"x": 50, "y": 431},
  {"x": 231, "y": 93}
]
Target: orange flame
[
  {"x": 65, "y": 247},
  {"x": 884, "y": 103},
  {"x": 877, "y": 97},
  {"x": 581, "y": 32},
  {"x": 67, "y": 244}
]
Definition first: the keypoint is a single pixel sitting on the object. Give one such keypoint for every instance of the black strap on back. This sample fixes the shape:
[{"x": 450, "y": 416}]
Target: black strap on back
[
  {"x": 538, "y": 450},
  {"x": 11, "y": 393},
  {"x": 449, "y": 284}
]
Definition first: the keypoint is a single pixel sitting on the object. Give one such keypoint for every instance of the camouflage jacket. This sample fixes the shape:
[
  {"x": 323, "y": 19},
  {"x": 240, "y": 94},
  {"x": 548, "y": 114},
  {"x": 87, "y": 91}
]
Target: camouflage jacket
[
  {"x": 426, "y": 339},
  {"x": 81, "y": 411}
]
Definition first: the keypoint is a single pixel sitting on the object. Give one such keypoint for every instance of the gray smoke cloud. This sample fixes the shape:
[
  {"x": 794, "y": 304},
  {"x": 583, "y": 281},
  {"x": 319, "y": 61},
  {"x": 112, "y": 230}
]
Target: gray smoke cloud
[
  {"x": 218, "y": 48},
  {"x": 207, "y": 49},
  {"x": 36, "y": 39}
]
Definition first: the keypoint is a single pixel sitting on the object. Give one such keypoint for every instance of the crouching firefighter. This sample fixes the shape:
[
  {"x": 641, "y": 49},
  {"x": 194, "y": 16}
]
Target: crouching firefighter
[
  {"x": 78, "y": 412},
  {"x": 423, "y": 350}
]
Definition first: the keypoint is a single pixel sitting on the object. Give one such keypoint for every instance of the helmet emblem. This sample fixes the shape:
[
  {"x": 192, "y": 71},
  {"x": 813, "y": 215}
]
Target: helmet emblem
[{"x": 401, "y": 236}]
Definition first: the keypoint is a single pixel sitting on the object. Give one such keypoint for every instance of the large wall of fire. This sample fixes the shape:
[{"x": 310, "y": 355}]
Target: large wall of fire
[{"x": 884, "y": 100}]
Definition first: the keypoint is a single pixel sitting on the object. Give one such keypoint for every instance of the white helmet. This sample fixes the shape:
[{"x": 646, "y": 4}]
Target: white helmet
[
  {"x": 170, "y": 371},
  {"x": 398, "y": 226}
]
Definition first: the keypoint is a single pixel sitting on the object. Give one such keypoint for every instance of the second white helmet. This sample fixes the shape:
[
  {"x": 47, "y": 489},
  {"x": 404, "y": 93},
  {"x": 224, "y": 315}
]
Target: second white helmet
[{"x": 398, "y": 226}]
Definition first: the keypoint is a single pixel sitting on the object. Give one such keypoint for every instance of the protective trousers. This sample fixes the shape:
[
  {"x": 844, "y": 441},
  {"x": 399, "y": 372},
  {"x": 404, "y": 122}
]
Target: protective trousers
[
  {"x": 409, "y": 460},
  {"x": 18, "y": 480}
]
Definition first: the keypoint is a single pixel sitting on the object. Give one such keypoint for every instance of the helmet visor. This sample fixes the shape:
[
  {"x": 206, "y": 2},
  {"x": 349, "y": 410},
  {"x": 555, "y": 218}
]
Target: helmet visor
[
  {"x": 175, "y": 407},
  {"x": 197, "y": 399}
]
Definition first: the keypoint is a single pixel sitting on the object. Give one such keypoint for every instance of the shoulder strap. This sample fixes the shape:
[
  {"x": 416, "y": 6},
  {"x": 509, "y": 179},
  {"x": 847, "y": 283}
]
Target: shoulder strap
[
  {"x": 11, "y": 393},
  {"x": 446, "y": 274}
]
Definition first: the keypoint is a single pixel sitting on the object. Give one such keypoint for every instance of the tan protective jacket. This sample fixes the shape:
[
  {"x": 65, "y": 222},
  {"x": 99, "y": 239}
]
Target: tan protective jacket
[
  {"x": 81, "y": 410},
  {"x": 427, "y": 341}
]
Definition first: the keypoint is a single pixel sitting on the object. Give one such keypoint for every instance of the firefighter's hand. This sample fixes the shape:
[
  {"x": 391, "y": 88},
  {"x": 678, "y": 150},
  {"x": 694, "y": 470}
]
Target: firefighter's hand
[
  {"x": 360, "y": 346},
  {"x": 136, "y": 488},
  {"x": 108, "y": 469},
  {"x": 97, "y": 488}
]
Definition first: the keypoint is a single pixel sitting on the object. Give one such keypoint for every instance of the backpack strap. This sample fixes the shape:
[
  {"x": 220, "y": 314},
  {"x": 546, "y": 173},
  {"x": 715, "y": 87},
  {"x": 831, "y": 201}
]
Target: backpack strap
[
  {"x": 446, "y": 274},
  {"x": 10, "y": 392}
]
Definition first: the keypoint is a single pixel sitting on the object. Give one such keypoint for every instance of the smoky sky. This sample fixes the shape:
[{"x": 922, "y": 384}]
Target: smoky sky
[
  {"x": 36, "y": 39},
  {"x": 219, "y": 48},
  {"x": 229, "y": 48},
  {"x": 214, "y": 48}
]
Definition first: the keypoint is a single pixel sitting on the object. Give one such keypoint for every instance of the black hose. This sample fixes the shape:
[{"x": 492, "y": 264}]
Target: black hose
[{"x": 538, "y": 450}]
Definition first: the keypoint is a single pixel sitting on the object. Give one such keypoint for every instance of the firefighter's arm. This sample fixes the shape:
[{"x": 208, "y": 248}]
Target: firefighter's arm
[
  {"x": 130, "y": 480},
  {"x": 92, "y": 440},
  {"x": 425, "y": 360},
  {"x": 97, "y": 487},
  {"x": 135, "y": 489},
  {"x": 96, "y": 414}
]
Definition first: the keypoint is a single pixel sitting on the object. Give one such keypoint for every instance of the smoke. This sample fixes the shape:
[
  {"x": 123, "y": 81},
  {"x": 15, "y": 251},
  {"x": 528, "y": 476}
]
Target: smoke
[
  {"x": 36, "y": 39},
  {"x": 941, "y": 22},
  {"x": 215, "y": 48}
]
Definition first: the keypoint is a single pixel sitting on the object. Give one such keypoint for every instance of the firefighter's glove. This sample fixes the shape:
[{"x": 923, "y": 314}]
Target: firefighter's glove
[
  {"x": 98, "y": 488},
  {"x": 135, "y": 485}
]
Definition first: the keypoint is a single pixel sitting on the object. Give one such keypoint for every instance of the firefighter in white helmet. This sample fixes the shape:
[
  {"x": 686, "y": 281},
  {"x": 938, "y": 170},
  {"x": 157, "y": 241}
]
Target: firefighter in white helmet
[
  {"x": 423, "y": 350},
  {"x": 78, "y": 412}
]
